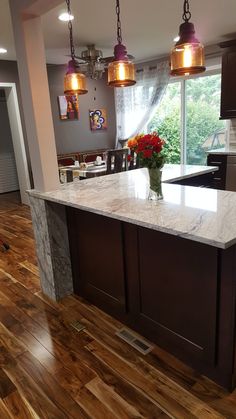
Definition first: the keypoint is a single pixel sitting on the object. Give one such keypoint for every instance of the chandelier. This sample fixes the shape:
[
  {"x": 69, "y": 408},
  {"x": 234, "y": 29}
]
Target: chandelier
[{"x": 93, "y": 64}]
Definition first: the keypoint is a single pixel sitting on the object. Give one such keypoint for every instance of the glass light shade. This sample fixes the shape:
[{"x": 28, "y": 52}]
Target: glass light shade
[
  {"x": 121, "y": 73},
  {"x": 187, "y": 58},
  {"x": 75, "y": 83}
]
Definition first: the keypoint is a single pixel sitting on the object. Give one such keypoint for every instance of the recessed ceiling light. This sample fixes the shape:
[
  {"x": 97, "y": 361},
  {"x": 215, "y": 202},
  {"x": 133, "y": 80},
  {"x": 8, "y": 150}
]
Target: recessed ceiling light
[
  {"x": 65, "y": 17},
  {"x": 177, "y": 38},
  {"x": 3, "y": 51}
]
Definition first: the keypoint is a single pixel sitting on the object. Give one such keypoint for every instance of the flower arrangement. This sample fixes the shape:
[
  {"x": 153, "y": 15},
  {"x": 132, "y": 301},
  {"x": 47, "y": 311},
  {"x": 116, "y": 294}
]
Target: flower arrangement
[{"x": 149, "y": 150}]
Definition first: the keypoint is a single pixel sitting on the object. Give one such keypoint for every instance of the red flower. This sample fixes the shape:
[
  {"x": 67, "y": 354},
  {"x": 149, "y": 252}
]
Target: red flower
[
  {"x": 147, "y": 154},
  {"x": 148, "y": 149}
]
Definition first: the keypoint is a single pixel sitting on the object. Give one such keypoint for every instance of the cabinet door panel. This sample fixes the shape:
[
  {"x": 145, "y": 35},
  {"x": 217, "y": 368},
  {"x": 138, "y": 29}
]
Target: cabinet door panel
[
  {"x": 178, "y": 293},
  {"x": 228, "y": 85},
  {"x": 97, "y": 257}
]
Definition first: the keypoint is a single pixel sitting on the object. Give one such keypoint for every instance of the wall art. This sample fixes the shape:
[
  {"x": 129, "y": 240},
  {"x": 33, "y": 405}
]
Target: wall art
[
  {"x": 98, "y": 119},
  {"x": 68, "y": 107}
]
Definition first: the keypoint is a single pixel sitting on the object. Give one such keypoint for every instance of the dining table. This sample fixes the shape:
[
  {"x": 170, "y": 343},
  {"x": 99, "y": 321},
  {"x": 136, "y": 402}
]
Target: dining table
[{"x": 72, "y": 172}]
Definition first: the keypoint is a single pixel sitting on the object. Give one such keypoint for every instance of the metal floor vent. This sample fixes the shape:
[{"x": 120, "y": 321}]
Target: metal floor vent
[
  {"x": 78, "y": 326},
  {"x": 140, "y": 344}
]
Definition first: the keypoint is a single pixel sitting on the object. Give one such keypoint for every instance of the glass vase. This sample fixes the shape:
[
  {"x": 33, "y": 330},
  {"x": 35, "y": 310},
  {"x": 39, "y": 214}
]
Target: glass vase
[{"x": 155, "y": 190}]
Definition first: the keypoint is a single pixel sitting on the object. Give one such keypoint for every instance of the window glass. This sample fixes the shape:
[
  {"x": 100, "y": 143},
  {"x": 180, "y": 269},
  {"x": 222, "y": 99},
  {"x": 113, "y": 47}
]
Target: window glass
[
  {"x": 204, "y": 130},
  {"x": 167, "y": 121}
]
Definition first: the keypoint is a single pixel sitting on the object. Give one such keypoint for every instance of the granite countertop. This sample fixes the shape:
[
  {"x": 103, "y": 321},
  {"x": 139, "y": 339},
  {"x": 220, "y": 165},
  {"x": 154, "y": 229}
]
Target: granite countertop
[
  {"x": 200, "y": 214},
  {"x": 224, "y": 151}
]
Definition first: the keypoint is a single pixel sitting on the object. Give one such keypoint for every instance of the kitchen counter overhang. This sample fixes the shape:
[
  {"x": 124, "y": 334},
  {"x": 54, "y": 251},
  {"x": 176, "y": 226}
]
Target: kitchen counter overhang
[{"x": 199, "y": 214}]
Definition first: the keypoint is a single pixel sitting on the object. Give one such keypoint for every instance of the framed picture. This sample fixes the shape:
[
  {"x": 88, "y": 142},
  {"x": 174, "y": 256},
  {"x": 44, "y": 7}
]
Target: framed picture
[
  {"x": 68, "y": 107},
  {"x": 98, "y": 119}
]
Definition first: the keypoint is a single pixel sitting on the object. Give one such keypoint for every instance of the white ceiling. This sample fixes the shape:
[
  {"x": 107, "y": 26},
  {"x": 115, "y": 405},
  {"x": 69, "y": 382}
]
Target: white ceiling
[{"x": 148, "y": 26}]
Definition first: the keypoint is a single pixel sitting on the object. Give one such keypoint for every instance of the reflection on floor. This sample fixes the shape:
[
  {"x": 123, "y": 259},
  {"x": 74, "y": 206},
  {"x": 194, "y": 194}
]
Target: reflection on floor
[
  {"x": 9, "y": 200},
  {"x": 49, "y": 370}
]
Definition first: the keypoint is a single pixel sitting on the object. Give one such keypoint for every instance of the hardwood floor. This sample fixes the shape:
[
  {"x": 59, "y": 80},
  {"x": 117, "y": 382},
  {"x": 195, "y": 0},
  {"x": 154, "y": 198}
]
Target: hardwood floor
[{"x": 49, "y": 370}]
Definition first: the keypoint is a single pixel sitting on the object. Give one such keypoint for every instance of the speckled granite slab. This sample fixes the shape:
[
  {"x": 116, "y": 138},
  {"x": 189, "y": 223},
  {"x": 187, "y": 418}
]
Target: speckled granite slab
[
  {"x": 199, "y": 214},
  {"x": 50, "y": 231}
]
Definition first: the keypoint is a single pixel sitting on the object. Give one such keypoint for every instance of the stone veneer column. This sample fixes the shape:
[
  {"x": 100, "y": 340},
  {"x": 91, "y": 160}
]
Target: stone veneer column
[{"x": 52, "y": 246}]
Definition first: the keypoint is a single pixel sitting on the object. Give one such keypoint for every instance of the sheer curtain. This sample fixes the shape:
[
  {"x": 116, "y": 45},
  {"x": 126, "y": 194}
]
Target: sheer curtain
[{"x": 136, "y": 105}]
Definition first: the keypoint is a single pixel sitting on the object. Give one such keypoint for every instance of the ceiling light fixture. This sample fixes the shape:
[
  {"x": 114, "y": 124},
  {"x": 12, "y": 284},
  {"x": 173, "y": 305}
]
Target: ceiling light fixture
[
  {"x": 121, "y": 72},
  {"x": 92, "y": 63},
  {"x": 3, "y": 50},
  {"x": 65, "y": 17},
  {"x": 74, "y": 81},
  {"x": 187, "y": 56},
  {"x": 176, "y": 39}
]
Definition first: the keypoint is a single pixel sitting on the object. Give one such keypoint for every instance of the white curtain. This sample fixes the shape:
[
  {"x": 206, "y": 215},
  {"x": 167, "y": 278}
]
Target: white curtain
[{"x": 136, "y": 105}]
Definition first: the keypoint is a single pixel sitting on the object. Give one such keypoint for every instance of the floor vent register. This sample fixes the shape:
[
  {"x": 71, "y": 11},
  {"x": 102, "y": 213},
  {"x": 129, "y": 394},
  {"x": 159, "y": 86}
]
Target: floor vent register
[
  {"x": 78, "y": 326},
  {"x": 132, "y": 339}
]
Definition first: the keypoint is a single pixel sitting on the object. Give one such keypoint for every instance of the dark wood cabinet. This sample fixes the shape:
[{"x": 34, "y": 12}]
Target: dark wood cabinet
[
  {"x": 97, "y": 259},
  {"x": 204, "y": 181},
  {"x": 219, "y": 177},
  {"x": 228, "y": 81},
  {"x": 177, "y": 301},
  {"x": 176, "y": 292},
  {"x": 213, "y": 180}
]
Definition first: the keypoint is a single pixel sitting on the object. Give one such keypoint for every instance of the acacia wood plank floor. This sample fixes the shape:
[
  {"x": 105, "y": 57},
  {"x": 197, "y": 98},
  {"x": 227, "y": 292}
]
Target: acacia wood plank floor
[{"x": 48, "y": 370}]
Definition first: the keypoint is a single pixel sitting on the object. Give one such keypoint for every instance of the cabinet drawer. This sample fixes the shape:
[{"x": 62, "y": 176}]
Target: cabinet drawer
[{"x": 219, "y": 179}]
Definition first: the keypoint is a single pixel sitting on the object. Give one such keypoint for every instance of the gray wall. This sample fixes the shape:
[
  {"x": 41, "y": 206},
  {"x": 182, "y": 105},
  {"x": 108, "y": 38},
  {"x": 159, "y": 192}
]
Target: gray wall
[
  {"x": 71, "y": 135},
  {"x": 9, "y": 74},
  {"x": 6, "y": 145},
  {"x": 76, "y": 135}
]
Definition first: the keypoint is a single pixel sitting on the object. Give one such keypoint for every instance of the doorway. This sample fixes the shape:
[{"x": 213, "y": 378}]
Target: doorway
[{"x": 17, "y": 139}]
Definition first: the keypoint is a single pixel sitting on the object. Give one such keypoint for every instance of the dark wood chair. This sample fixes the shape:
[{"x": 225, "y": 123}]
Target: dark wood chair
[
  {"x": 117, "y": 161},
  {"x": 134, "y": 162}
]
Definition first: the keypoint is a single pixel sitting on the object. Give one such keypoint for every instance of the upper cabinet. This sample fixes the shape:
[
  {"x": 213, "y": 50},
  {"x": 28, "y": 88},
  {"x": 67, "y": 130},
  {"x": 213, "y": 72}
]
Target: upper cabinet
[{"x": 228, "y": 83}]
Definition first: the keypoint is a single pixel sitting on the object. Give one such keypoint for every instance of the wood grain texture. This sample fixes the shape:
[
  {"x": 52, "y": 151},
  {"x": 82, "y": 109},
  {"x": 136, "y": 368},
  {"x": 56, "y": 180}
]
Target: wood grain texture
[{"x": 48, "y": 370}]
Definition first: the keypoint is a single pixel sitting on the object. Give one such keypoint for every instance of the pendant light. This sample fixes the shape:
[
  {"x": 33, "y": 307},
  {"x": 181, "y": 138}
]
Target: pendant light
[
  {"x": 121, "y": 72},
  {"x": 187, "y": 56},
  {"x": 74, "y": 81}
]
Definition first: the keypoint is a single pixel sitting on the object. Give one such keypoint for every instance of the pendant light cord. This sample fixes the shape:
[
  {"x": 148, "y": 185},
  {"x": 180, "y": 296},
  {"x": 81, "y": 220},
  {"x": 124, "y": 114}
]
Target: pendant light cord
[
  {"x": 72, "y": 48},
  {"x": 186, "y": 15},
  {"x": 119, "y": 36}
]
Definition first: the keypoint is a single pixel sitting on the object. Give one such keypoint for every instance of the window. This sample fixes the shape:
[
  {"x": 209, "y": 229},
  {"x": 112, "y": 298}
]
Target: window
[{"x": 188, "y": 119}]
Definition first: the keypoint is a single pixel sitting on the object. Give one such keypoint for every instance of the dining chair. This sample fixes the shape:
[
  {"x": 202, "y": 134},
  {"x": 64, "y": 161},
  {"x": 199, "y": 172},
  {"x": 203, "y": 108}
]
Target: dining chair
[
  {"x": 134, "y": 162},
  {"x": 117, "y": 160}
]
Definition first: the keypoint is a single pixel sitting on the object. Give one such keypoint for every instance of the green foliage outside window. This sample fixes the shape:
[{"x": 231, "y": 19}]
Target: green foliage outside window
[{"x": 202, "y": 118}]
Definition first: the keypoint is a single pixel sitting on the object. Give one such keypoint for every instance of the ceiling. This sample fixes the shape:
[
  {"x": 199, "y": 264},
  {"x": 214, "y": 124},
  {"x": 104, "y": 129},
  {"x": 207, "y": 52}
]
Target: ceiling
[{"x": 148, "y": 26}]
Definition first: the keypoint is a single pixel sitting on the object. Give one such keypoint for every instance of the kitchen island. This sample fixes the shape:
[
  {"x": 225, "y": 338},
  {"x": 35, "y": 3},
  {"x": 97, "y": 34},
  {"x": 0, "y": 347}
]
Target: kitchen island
[{"x": 166, "y": 269}]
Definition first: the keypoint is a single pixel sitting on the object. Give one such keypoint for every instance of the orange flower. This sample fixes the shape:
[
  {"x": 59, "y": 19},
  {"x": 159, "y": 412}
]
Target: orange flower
[{"x": 132, "y": 143}]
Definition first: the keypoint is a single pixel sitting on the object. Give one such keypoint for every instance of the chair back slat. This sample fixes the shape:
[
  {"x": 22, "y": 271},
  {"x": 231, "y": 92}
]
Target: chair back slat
[{"x": 117, "y": 161}]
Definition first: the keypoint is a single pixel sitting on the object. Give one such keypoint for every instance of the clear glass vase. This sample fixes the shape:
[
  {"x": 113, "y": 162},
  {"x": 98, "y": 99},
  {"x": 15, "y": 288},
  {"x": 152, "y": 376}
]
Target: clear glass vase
[{"x": 155, "y": 191}]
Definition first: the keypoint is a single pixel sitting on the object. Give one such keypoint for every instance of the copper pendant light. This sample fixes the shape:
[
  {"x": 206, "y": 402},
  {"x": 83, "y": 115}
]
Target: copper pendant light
[
  {"x": 74, "y": 81},
  {"x": 187, "y": 56},
  {"x": 121, "y": 71}
]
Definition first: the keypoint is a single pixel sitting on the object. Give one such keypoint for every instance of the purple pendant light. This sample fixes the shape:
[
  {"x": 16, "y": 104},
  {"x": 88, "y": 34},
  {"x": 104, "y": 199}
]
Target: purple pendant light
[
  {"x": 187, "y": 56},
  {"x": 121, "y": 71},
  {"x": 74, "y": 81}
]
